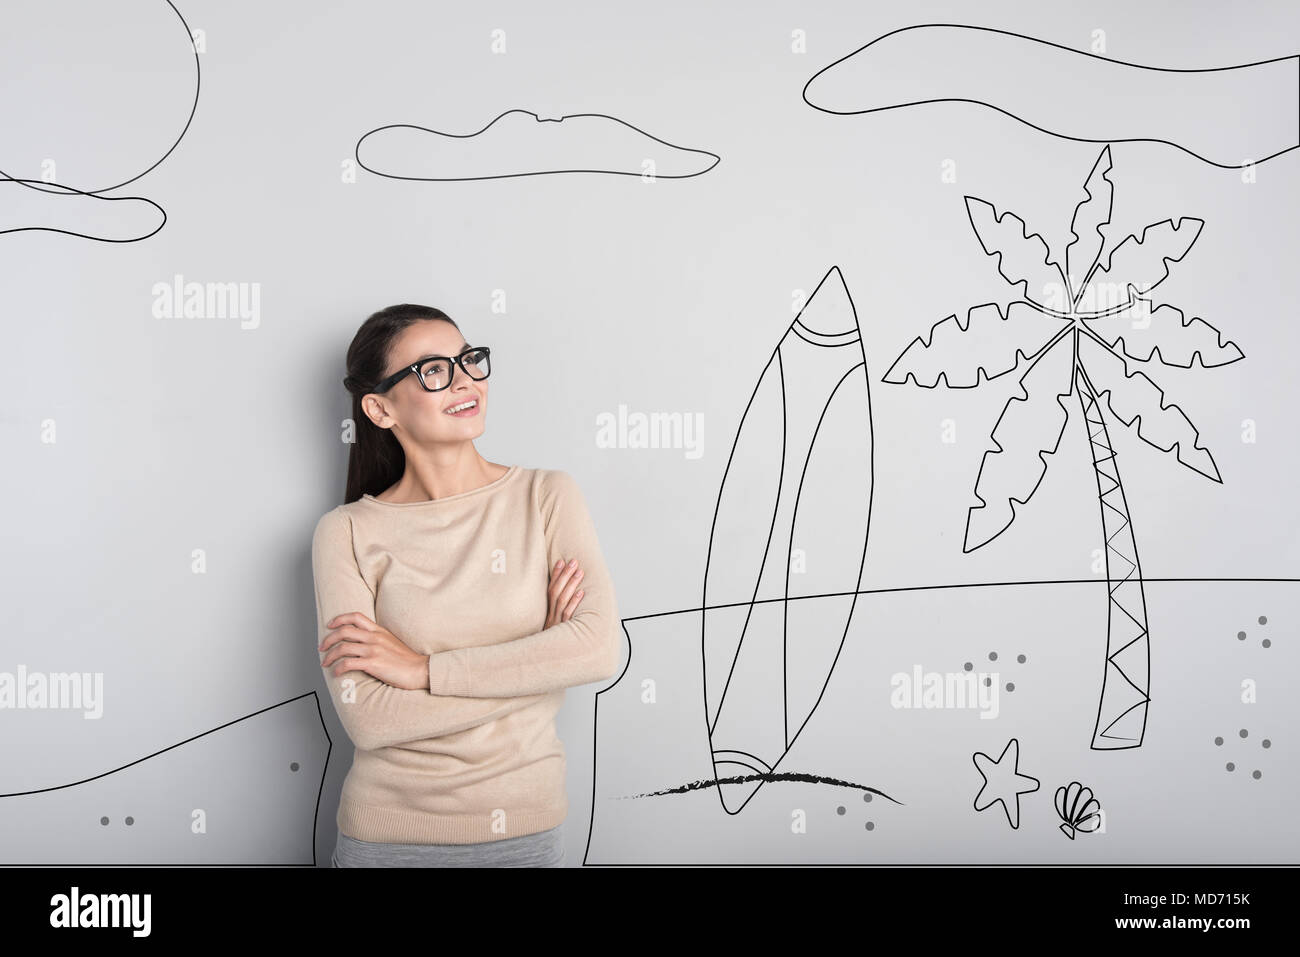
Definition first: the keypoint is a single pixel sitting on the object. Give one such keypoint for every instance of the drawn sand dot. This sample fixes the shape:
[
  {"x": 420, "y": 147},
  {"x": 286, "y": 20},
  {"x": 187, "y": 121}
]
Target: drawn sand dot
[
  {"x": 103, "y": 820},
  {"x": 840, "y": 810},
  {"x": 1266, "y": 643},
  {"x": 1263, "y": 620},
  {"x": 294, "y": 766},
  {"x": 1020, "y": 658},
  {"x": 871, "y": 826},
  {"x": 1241, "y": 636},
  {"x": 993, "y": 656},
  {"x": 988, "y": 682},
  {"x": 967, "y": 666},
  {"x": 130, "y": 820},
  {"x": 1218, "y": 741},
  {"x": 1256, "y": 775},
  {"x": 1231, "y": 766},
  {"x": 1243, "y": 733},
  {"x": 867, "y": 798},
  {"x": 1011, "y": 686},
  {"x": 1267, "y": 743}
]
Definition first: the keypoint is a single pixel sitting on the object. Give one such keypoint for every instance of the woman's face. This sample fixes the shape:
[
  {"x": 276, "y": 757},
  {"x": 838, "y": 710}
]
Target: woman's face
[{"x": 422, "y": 415}]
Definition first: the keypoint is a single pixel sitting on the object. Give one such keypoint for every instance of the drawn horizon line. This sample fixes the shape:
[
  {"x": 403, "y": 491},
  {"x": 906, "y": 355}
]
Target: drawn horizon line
[{"x": 906, "y": 588}]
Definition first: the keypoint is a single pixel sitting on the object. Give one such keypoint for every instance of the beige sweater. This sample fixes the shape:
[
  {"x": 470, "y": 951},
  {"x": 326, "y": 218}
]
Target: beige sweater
[{"x": 463, "y": 579}]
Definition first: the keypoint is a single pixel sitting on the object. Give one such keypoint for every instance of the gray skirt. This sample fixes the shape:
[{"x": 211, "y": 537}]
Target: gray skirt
[{"x": 543, "y": 849}]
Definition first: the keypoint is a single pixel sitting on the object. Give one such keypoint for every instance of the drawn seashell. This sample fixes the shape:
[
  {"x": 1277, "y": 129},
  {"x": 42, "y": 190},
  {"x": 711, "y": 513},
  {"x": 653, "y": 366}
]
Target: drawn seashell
[{"x": 1078, "y": 809}]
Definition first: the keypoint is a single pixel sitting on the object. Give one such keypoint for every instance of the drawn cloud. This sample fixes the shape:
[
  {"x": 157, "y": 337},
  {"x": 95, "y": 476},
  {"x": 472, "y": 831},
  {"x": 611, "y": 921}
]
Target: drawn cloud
[
  {"x": 1226, "y": 116},
  {"x": 27, "y": 204},
  {"x": 520, "y": 143}
]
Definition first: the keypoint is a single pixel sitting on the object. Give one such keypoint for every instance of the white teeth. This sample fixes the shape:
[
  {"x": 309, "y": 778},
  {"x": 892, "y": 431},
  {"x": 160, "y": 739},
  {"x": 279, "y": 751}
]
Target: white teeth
[{"x": 462, "y": 406}]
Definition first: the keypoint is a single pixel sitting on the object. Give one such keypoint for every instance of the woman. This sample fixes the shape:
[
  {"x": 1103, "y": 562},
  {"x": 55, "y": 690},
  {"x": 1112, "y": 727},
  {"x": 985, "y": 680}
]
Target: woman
[{"x": 456, "y": 600}]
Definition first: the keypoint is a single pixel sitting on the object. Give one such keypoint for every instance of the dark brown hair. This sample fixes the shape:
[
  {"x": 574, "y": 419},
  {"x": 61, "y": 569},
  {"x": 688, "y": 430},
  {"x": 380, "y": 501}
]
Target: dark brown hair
[{"x": 376, "y": 460}]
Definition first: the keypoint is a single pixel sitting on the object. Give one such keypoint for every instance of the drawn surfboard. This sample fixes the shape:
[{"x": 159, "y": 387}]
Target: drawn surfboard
[{"x": 788, "y": 543}]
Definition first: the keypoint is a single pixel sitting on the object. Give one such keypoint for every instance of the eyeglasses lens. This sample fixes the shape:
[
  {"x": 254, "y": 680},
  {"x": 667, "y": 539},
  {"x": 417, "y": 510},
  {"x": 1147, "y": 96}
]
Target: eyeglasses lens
[{"x": 437, "y": 372}]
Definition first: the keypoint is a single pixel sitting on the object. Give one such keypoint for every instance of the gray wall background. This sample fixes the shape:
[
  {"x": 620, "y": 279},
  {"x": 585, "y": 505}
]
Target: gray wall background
[{"x": 177, "y": 434}]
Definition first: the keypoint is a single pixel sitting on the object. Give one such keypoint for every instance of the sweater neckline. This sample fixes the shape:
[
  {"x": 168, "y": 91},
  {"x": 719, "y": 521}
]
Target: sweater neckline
[{"x": 496, "y": 483}]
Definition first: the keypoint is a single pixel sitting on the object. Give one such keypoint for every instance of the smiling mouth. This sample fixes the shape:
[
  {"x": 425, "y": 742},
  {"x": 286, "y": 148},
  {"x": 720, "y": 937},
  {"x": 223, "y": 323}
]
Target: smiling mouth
[{"x": 470, "y": 405}]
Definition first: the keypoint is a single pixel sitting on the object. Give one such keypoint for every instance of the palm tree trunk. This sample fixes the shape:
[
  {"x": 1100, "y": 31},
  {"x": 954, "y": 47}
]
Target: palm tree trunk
[{"x": 1122, "y": 710}]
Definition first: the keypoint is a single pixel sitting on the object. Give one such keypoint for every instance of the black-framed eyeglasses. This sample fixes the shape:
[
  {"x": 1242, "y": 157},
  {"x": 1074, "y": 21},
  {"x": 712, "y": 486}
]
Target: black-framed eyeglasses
[{"x": 435, "y": 372}]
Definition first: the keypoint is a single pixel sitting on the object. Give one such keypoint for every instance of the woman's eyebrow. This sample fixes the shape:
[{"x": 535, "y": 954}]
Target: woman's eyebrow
[{"x": 438, "y": 355}]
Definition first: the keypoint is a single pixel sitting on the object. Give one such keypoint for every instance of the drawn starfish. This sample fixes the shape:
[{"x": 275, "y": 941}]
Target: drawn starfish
[
  {"x": 1081, "y": 321},
  {"x": 1003, "y": 782}
]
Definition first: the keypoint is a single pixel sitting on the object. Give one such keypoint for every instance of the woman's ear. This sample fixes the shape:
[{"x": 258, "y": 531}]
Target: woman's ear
[{"x": 375, "y": 411}]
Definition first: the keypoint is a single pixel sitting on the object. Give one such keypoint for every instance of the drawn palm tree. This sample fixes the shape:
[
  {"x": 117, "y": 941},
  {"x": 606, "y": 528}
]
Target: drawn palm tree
[{"x": 1079, "y": 327}]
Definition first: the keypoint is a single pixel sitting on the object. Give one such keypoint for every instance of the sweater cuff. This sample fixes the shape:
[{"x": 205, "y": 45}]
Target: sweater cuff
[{"x": 448, "y": 673}]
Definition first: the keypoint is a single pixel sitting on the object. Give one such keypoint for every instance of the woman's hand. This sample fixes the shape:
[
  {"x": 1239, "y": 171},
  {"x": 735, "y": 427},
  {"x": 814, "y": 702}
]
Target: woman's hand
[
  {"x": 365, "y": 646},
  {"x": 562, "y": 597}
]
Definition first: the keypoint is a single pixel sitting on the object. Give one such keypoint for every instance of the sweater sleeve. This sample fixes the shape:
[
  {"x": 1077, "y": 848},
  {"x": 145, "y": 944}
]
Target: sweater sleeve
[
  {"x": 375, "y": 714},
  {"x": 586, "y": 648}
]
